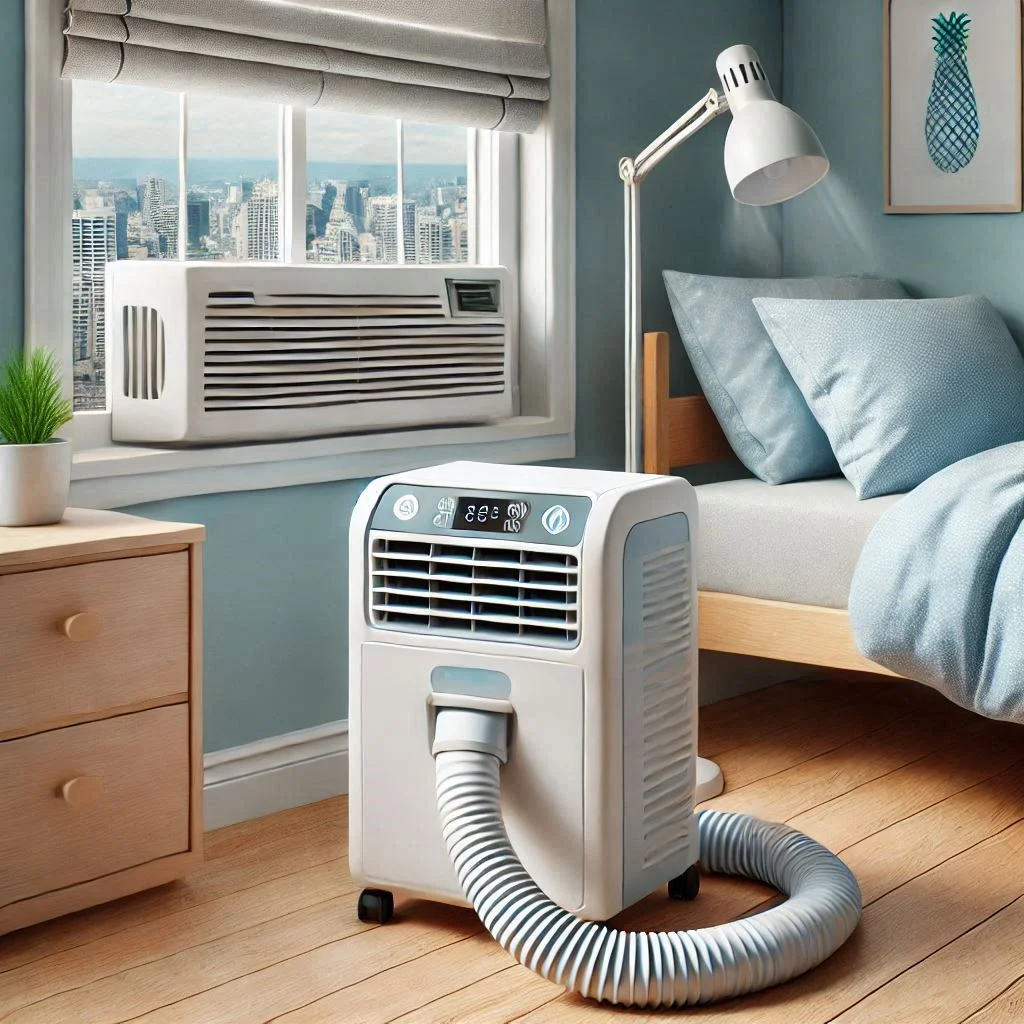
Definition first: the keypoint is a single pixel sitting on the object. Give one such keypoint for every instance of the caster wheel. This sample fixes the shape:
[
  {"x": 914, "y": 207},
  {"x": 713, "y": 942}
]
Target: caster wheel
[
  {"x": 686, "y": 886},
  {"x": 376, "y": 906}
]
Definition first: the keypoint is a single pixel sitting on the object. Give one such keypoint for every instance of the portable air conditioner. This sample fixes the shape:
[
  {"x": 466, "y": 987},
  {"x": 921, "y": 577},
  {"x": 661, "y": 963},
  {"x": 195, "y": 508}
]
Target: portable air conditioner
[
  {"x": 523, "y": 731},
  {"x": 215, "y": 352},
  {"x": 571, "y": 596}
]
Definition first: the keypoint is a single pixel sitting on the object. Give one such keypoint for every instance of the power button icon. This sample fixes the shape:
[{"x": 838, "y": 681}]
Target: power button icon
[
  {"x": 406, "y": 507},
  {"x": 555, "y": 520}
]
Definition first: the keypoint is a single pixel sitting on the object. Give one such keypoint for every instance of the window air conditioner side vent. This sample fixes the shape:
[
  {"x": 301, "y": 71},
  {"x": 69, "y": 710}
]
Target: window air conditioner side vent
[
  {"x": 489, "y": 593},
  {"x": 143, "y": 357}
]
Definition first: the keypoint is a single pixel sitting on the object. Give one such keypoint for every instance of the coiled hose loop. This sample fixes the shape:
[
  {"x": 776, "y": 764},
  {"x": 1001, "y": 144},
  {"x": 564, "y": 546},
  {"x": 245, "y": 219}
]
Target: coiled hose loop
[{"x": 649, "y": 968}]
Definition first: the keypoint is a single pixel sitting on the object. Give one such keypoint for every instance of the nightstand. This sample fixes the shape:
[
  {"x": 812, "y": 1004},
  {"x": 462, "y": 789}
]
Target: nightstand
[{"x": 101, "y": 770}]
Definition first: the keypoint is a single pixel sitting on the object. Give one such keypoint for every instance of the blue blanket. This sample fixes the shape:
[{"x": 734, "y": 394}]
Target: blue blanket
[{"x": 938, "y": 593}]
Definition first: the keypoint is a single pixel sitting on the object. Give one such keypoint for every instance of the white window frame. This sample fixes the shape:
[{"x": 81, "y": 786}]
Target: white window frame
[{"x": 511, "y": 178}]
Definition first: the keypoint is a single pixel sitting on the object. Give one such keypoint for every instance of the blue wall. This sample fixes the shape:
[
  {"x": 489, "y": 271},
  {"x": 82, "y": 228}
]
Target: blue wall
[
  {"x": 833, "y": 76},
  {"x": 276, "y": 566}
]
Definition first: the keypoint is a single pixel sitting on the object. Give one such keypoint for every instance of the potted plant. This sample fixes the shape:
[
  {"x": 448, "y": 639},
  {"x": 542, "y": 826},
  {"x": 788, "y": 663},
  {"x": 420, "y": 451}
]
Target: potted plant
[{"x": 35, "y": 465}]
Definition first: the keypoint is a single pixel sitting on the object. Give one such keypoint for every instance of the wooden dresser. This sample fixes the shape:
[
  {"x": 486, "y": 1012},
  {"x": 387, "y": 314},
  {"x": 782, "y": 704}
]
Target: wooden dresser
[{"x": 101, "y": 769}]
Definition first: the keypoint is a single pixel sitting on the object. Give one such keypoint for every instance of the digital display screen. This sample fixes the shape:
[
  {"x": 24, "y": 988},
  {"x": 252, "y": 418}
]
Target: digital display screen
[{"x": 491, "y": 515}]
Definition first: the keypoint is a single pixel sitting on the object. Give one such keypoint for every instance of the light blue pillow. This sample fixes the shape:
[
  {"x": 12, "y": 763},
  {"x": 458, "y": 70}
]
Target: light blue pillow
[
  {"x": 756, "y": 401},
  {"x": 903, "y": 388}
]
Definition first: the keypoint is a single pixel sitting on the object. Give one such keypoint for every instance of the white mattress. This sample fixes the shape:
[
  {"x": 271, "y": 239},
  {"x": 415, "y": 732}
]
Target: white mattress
[{"x": 794, "y": 542}]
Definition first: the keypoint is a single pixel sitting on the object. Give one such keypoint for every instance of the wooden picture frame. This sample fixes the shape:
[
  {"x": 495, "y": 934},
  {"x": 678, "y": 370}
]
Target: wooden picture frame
[{"x": 920, "y": 165}]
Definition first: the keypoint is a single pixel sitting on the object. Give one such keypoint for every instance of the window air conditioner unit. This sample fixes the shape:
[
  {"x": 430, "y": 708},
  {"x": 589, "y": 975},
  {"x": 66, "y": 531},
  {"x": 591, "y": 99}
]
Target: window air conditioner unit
[{"x": 200, "y": 353}]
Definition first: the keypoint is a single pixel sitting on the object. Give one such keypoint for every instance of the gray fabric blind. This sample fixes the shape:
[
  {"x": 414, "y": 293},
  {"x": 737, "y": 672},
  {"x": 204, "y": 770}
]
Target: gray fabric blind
[{"x": 475, "y": 63}]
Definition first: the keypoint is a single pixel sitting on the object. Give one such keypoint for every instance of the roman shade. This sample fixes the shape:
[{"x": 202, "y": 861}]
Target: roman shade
[{"x": 474, "y": 63}]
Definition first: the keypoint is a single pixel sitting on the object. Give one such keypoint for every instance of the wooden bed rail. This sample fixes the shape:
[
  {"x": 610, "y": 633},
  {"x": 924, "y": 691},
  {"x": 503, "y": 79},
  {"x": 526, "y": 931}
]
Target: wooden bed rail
[{"x": 677, "y": 431}]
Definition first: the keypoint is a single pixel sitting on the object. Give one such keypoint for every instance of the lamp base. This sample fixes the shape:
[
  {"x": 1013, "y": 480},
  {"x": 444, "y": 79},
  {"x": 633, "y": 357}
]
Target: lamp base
[{"x": 710, "y": 782}]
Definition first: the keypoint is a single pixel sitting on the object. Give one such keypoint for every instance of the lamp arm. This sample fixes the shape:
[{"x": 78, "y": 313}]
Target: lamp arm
[
  {"x": 701, "y": 113},
  {"x": 632, "y": 172}
]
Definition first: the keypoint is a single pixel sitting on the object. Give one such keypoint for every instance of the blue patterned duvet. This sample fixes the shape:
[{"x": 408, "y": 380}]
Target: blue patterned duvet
[{"x": 938, "y": 594}]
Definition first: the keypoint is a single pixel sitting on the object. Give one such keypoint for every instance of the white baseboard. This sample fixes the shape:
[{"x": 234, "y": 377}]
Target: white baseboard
[{"x": 276, "y": 773}]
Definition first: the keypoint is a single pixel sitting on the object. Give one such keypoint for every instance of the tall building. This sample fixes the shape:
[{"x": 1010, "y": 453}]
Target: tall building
[
  {"x": 256, "y": 227},
  {"x": 355, "y": 203},
  {"x": 383, "y": 225},
  {"x": 153, "y": 197},
  {"x": 433, "y": 237},
  {"x": 165, "y": 223},
  {"x": 93, "y": 246},
  {"x": 460, "y": 239},
  {"x": 198, "y": 221}
]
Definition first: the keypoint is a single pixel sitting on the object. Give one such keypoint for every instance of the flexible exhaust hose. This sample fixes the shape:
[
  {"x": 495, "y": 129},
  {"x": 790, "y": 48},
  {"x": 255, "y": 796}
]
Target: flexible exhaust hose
[{"x": 675, "y": 968}]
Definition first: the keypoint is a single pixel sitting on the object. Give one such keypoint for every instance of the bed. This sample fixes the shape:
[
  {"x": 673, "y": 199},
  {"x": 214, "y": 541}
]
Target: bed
[{"x": 776, "y": 561}]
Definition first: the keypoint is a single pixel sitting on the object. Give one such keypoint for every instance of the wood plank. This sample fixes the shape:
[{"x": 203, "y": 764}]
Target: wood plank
[
  {"x": 494, "y": 1000},
  {"x": 929, "y": 838},
  {"x": 156, "y": 939},
  {"x": 237, "y": 858},
  {"x": 211, "y": 966},
  {"x": 1006, "y": 1008},
  {"x": 979, "y": 754},
  {"x": 86, "y": 531},
  {"x": 790, "y": 744},
  {"x": 872, "y": 755},
  {"x": 407, "y": 987},
  {"x": 990, "y": 955},
  {"x": 805, "y": 634},
  {"x": 272, "y": 991}
]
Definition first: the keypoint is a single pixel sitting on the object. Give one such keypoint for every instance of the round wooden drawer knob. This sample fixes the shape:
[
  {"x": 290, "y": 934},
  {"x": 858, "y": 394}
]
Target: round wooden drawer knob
[
  {"x": 81, "y": 792},
  {"x": 83, "y": 626}
]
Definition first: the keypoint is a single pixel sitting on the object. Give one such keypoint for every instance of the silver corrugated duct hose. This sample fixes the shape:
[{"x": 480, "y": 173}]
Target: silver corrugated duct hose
[{"x": 600, "y": 962}]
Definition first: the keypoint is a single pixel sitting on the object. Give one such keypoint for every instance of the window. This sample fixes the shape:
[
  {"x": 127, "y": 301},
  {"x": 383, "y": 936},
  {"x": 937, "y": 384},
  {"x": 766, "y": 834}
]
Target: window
[{"x": 139, "y": 173}]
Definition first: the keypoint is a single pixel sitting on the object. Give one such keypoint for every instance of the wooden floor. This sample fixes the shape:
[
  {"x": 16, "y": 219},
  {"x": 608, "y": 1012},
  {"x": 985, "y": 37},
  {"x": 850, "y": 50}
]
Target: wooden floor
[{"x": 924, "y": 802}]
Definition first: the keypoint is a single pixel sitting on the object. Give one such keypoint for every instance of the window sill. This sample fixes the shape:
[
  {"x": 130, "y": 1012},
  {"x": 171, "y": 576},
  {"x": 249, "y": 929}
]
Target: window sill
[{"x": 114, "y": 476}]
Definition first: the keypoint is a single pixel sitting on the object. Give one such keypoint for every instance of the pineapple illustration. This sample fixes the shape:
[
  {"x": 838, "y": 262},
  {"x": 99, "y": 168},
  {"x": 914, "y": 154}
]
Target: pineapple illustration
[{"x": 952, "y": 127}]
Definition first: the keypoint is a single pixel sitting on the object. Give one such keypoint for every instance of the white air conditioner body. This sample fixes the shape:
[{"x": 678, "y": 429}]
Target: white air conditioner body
[
  {"x": 201, "y": 353},
  {"x": 569, "y": 593}
]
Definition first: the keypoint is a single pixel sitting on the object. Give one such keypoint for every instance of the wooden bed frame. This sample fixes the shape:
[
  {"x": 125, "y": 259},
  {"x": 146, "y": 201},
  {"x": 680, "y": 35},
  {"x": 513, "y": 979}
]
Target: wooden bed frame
[{"x": 682, "y": 432}]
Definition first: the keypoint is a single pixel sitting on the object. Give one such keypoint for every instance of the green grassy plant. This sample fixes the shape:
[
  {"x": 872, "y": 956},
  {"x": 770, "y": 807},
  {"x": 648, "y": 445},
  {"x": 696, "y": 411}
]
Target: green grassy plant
[{"x": 32, "y": 405}]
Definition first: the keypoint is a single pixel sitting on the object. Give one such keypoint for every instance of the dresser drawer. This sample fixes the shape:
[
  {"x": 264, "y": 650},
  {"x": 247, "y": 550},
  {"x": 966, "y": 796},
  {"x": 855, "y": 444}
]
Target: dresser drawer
[
  {"x": 90, "y": 638},
  {"x": 126, "y": 781}
]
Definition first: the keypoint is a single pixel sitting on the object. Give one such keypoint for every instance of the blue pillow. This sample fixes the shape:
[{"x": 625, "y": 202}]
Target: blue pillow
[
  {"x": 756, "y": 401},
  {"x": 903, "y": 388}
]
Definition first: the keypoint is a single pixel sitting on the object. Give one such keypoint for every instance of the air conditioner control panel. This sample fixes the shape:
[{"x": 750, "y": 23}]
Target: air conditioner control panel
[{"x": 471, "y": 512}]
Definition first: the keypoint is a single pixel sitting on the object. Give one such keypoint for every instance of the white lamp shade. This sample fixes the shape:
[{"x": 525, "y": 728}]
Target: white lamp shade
[{"x": 771, "y": 154}]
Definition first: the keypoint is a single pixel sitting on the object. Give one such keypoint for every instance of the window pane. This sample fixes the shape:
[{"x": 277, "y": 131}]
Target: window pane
[
  {"x": 436, "y": 188},
  {"x": 233, "y": 207},
  {"x": 125, "y": 196},
  {"x": 352, "y": 201}
]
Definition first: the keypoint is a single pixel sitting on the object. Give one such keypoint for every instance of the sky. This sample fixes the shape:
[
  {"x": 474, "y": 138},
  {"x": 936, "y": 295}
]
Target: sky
[{"x": 125, "y": 121}]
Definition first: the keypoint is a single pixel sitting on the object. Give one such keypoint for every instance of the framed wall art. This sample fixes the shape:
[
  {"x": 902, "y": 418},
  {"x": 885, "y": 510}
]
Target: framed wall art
[{"x": 952, "y": 106}]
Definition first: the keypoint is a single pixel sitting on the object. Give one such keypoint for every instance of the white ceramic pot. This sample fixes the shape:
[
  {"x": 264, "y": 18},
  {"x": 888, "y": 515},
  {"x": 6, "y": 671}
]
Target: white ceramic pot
[{"x": 35, "y": 480}]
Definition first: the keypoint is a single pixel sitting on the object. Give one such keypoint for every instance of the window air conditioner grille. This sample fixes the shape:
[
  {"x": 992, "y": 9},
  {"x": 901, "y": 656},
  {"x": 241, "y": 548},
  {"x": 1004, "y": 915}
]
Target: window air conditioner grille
[
  {"x": 144, "y": 359},
  {"x": 492, "y": 593},
  {"x": 303, "y": 349},
  {"x": 667, "y": 733}
]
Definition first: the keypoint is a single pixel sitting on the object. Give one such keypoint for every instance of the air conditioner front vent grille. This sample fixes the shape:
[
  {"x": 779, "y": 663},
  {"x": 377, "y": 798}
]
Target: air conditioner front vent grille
[
  {"x": 281, "y": 351},
  {"x": 490, "y": 593}
]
